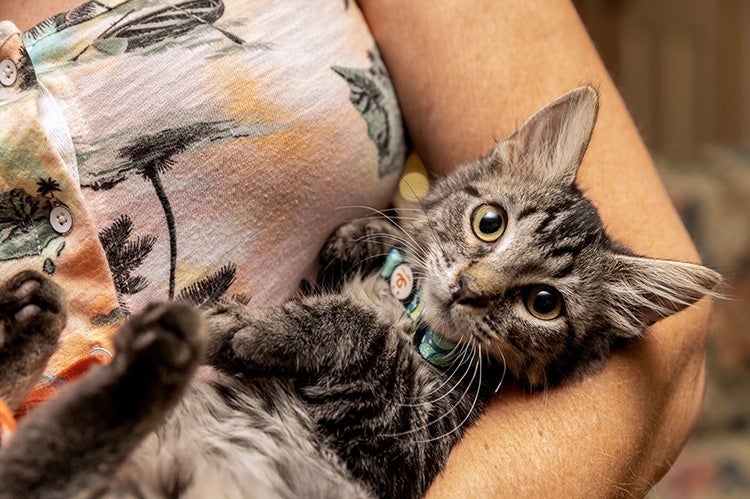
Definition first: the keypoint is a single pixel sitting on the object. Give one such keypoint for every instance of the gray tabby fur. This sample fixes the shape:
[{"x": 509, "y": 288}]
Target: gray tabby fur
[{"x": 326, "y": 395}]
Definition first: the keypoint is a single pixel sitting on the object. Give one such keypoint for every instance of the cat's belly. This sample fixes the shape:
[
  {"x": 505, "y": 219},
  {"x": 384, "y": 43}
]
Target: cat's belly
[{"x": 224, "y": 440}]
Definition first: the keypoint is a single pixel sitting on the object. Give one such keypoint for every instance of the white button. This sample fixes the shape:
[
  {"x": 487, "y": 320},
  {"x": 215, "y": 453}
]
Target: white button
[
  {"x": 61, "y": 219},
  {"x": 402, "y": 281},
  {"x": 8, "y": 72}
]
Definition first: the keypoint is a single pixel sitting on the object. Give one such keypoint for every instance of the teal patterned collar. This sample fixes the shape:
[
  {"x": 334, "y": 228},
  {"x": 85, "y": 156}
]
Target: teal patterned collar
[{"x": 434, "y": 348}]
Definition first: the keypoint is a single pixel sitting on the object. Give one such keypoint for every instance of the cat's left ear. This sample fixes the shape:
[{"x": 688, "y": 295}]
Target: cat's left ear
[
  {"x": 645, "y": 290},
  {"x": 551, "y": 144}
]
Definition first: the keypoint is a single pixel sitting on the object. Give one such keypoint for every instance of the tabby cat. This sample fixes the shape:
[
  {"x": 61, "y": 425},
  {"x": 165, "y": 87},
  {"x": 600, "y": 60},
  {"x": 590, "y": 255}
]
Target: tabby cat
[{"x": 507, "y": 273}]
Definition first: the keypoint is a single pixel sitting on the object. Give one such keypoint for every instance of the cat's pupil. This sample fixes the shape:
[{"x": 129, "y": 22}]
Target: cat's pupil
[
  {"x": 545, "y": 302},
  {"x": 491, "y": 223}
]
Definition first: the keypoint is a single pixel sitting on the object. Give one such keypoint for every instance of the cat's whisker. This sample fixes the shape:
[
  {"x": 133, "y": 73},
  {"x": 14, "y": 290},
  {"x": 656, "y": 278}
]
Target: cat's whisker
[
  {"x": 505, "y": 370},
  {"x": 375, "y": 256},
  {"x": 478, "y": 368},
  {"x": 415, "y": 250},
  {"x": 406, "y": 208},
  {"x": 386, "y": 216},
  {"x": 433, "y": 237},
  {"x": 448, "y": 412},
  {"x": 426, "y": 214},
  {"x": 409, "y": 243},
  {"x": 395, "y": 219},
  {"x": 455, "y": 365},
  {"x": 378, "y": 237},
  {"x": 472, "y": 347},
  {"x": 545, "y": 390}
]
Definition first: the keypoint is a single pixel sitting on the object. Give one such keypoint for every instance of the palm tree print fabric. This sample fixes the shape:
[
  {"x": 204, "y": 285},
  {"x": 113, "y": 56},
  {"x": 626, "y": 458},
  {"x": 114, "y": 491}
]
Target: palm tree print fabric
[{"x": 204, "y": 150}]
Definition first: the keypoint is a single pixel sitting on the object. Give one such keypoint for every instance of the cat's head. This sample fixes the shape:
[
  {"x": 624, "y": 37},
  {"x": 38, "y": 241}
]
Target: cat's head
[{"x": 516, "y": 259}]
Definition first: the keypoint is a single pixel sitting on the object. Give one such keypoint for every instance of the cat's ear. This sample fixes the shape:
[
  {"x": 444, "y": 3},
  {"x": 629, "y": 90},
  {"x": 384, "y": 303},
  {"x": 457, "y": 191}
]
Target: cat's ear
[
  {"x": 551, "y": 144},
  {"x": 645, "y": 290}
]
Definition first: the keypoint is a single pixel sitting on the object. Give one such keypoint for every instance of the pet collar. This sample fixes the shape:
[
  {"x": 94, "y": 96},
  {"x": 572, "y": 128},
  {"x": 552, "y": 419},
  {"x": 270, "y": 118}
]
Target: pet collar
[{"x": 434, "y": 348}]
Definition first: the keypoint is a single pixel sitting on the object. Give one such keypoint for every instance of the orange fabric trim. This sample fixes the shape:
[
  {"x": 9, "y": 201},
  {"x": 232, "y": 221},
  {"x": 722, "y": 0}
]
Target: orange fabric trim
[{"x": 7, "y": 421}]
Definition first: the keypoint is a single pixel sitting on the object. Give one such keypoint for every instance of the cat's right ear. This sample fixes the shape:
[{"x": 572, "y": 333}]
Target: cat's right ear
[{"x": 550, "y": 145}]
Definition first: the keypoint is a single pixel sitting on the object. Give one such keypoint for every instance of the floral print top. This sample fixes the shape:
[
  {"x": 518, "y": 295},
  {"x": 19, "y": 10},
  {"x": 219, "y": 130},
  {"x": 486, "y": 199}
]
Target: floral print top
[{"x": 186, "y": 149}]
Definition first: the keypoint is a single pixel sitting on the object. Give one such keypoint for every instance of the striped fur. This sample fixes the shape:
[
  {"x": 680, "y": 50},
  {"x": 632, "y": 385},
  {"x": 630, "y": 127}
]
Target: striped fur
[{"x": 327, "y": 396}]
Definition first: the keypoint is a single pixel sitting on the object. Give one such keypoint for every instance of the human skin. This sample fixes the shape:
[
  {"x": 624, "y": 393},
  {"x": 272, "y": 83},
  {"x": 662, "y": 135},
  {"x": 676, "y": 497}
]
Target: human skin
[{"x": 467, "y": 73}]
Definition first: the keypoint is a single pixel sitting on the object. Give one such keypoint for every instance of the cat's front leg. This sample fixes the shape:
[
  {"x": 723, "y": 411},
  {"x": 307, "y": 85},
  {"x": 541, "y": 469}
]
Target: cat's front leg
[
  {"x": 32, "y": 316},
  {"x": 358, "y": 246},
  {"x": 299, "y": 338},
  {"x": 73, "y": 444}
]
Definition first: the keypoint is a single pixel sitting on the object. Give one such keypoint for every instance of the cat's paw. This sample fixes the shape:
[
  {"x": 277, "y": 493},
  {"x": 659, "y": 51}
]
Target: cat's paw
[
  {"x": 32, "y": 316},
  {"x": 166, "y": 338},
  {"x": 31, "y": 309},
  {"x": 245, "y": 340}
]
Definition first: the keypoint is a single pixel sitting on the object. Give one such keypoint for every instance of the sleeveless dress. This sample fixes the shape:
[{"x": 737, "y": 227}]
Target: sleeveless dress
[{"x": 186, "y": 149}]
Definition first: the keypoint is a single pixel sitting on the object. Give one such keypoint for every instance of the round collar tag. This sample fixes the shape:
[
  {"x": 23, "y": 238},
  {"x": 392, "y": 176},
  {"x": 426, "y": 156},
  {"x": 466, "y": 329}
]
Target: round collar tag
[{"x": 402, "y": 282}]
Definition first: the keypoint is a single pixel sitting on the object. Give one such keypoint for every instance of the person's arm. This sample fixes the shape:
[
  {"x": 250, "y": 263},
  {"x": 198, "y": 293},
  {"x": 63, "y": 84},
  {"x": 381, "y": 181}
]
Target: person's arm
[{"x": 467, "y": 73}]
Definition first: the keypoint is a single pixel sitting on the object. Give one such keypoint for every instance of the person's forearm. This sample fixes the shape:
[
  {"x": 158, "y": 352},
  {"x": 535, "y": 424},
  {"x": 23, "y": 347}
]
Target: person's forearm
[{"x": 467, "y": 73}]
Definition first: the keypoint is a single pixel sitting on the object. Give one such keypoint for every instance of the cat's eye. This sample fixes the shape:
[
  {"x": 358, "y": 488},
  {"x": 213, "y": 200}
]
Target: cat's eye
[
  {"x": 488, "y": 222},
  {"x": 544, "y": 302}
]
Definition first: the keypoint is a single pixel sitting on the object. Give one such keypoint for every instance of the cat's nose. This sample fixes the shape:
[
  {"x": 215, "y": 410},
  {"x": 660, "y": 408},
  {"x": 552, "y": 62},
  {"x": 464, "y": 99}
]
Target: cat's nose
[{"x": 463, "y": 294}]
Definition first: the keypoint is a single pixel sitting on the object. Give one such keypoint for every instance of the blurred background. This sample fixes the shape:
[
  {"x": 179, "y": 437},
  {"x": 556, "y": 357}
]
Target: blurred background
[{"x": 683, "y": 68}]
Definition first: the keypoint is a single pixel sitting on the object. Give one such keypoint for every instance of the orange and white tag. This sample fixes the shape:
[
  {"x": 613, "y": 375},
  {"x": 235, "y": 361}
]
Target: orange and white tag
[{"x": 402, "y": 282}]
